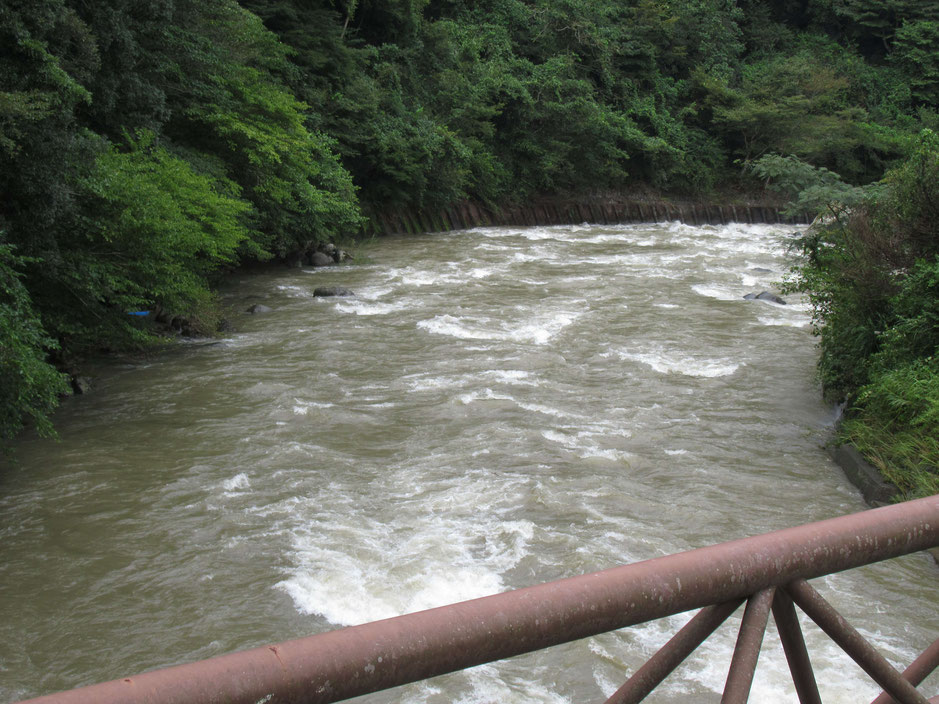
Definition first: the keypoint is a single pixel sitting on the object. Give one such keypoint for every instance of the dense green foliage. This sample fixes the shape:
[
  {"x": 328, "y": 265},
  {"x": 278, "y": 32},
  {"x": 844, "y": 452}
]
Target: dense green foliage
[
  {"x": 147, "y": 146},
  {"x": 29, "y": 385},
  {"x": 872, "y": 273}
]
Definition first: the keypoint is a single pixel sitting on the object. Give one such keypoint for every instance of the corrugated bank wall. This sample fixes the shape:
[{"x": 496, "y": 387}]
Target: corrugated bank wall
[{"x": 610, "y": 212}]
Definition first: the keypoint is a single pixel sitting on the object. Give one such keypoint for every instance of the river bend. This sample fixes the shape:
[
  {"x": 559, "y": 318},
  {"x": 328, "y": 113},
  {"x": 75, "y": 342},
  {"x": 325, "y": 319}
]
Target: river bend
[{"x": 494, "y": 408}]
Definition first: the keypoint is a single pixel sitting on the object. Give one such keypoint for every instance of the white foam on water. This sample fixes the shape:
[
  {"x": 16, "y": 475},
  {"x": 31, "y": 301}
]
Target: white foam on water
[
  {"x": 605, "y": 238},
  {"x": 543, "y": 233},
  {"x": 555, "y": 436},
  {"x": 301, "y": 408},
  {"x": 411, "y": 276},
  {"x": 483, "y": 395},
  {"x": 539, "y": 330},
  {"x": 543, "y": 329},
  {"x": 799, "y": 322},
  {"x": 366, "y": 308},
  {"x": 605, "y": 454},
  {"x": 345, "y": 602},
  {"x": 294, "y": 291},
  {"x": 491, "y": 686},
  {"x": 239, "y": 481},
  {"x": 586, "y": 450},
  {"x": 676, "y": 452},
  {"x": 446, "y": 541},
  {"x": 425, "y": 383},
  {"x": 801, "y": 305},
  {"x": 452, "y": 326},
  {"x": 547, "y": 410},
  {"x": 511, "y": 376},
  {"x": 373, "y": 293},
  {"x": 678, "y": 363},
  {"x": 499, "y": 233},
  {"x": 482, "y": 272},
  {"x": 721, "y": 293},
  {"x": 749, "y": 280}
]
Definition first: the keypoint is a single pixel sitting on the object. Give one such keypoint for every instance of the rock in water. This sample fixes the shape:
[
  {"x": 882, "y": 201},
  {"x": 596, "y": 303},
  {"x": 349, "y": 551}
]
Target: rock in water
[
  {"x": 258, "y": 308},
  {"x": 765, "y": 296},
  {"x": 332, "y": 291},
  {"x": 321, "y": 259},
  {"x": 771, "y": 297}
]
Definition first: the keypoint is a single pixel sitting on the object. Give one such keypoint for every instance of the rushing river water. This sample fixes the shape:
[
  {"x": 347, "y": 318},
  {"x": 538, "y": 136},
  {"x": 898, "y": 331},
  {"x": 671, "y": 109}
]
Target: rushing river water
[{"x": 495, "y": 408}]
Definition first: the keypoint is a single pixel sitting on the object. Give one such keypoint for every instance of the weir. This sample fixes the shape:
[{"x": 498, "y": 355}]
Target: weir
[
  {"x": 768, "y": 571},
  {"x": 609, "y": 211}
]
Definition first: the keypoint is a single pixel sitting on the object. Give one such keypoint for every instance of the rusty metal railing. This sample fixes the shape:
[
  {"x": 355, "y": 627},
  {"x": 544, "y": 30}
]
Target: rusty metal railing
[{"x": 768, "y": 571}]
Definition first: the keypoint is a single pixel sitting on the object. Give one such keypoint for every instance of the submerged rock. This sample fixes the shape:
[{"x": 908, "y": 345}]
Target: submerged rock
[
  {"x": 324, "y": 291},
  {"x": 765, "y": 296},
  {"x": 258, "y": 308},
  {"x": 81, "y": 385}
]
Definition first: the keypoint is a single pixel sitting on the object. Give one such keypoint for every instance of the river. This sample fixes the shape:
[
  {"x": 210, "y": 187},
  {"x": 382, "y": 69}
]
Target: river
[{"x": 495, "y": 408}]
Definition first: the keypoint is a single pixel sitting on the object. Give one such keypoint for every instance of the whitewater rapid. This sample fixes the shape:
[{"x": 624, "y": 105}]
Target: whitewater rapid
[{"x": 494, "y": 408}]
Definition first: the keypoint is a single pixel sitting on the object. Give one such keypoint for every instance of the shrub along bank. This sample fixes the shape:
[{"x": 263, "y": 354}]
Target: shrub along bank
[
  {"x": 147, "y": 147},
  {"x": 872, "y": 274}
]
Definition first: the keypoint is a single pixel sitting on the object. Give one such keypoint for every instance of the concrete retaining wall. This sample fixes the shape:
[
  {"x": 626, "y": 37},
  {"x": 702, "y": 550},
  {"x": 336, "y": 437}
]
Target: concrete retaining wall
[{"x": 602, "y": 212}]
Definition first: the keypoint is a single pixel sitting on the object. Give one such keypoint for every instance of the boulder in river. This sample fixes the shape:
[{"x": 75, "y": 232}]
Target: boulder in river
[
  {"x": 321, "y": 259},
  {"x": 259, "y": 308},
  {"x": 324, "y": 291},
  {"x": 765, "y": 296}
]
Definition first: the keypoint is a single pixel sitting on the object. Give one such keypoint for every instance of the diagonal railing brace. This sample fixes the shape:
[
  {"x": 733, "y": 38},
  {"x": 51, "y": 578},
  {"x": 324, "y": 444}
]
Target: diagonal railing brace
[{"x": 853, "y": 643}]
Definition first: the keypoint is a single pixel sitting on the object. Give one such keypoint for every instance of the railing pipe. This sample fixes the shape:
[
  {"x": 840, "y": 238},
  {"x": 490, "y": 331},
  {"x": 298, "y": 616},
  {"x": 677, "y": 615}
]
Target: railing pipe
[
  {"x": 673, "y": 653},
  {"x": 747, "y": 650},
  {"x": 357, "y": 660},
  {"x": 853, "y": 643},
  {"x": 919, "y": 670},
  {"x": 793, "y": 642}
]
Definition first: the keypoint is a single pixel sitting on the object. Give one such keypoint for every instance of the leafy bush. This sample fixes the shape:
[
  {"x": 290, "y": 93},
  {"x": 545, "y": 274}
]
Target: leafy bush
[
  {"x": 30, "y": 386},
  {"x": 150, "y": 232},
  {"x": 811, "y": 189},
  {"x": 872, "y": 275}
]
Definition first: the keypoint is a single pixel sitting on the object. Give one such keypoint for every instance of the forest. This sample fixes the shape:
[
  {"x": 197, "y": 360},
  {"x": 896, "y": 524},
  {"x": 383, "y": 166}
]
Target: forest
[{"x": 148, "y": 148}]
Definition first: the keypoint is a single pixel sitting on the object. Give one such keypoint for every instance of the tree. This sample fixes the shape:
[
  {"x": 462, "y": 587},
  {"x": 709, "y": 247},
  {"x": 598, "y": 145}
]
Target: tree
[{"x": 30, "y": 387}]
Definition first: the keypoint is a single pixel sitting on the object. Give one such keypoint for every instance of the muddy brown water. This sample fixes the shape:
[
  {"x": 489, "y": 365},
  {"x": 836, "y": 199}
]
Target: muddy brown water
[{"x": 495, "y": 408}]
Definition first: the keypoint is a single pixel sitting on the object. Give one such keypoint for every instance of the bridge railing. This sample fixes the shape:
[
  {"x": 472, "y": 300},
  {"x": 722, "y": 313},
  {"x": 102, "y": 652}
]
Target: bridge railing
[{"x": 768, "y": 572}]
